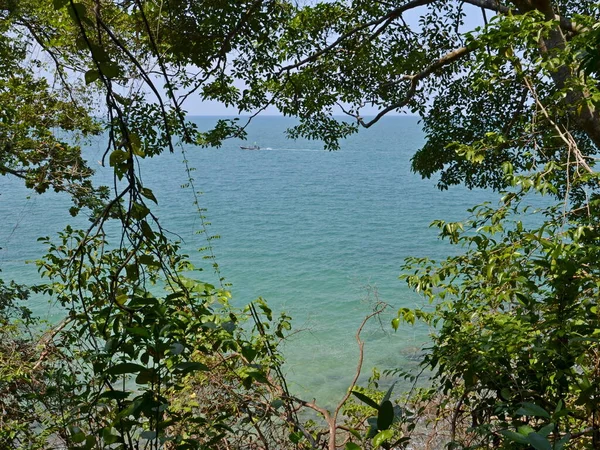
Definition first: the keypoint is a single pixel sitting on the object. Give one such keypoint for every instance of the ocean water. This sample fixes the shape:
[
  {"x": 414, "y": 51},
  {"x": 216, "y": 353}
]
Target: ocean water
[{"x": 320, "y": 235}]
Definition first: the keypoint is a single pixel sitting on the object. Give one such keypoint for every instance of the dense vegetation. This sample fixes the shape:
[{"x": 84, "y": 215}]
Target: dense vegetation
[{"x": 148, "y": 356}]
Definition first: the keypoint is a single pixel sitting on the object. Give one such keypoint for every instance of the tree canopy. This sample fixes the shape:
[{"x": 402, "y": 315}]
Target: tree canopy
[{"x": 507, "y": 92}]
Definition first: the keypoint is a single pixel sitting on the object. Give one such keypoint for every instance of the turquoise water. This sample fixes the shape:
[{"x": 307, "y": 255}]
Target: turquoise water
[{"x": 315, "y": 233}]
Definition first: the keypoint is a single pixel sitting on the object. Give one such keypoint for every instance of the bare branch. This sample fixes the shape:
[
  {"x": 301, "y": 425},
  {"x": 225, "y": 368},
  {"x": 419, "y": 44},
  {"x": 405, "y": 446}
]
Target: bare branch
[
  {"x": 361, "y": 353},
  {"x": 563, "y": 133},
  {"x": 45, "y": 341}
]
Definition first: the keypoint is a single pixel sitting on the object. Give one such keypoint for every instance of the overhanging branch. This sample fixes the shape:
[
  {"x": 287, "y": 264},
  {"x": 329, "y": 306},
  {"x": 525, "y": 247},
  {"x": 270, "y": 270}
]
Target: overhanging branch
[
  {"x": 388, "y": 18},
  {"x": 414, "y": 80}
]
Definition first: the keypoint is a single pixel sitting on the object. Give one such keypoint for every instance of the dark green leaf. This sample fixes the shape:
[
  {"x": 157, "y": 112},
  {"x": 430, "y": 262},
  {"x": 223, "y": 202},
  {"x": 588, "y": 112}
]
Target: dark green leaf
[
  {"x": 187, "y": 367},
  {"x": 139, "y": 211},
  {"x": 146, "y": 376},
  {"x": 385, "y": 417},
  {"x": 564, "y": 440},
  {"x": 249, "y": 353},
  {"x": 515, "y": 437},
  {"x": 108, "y": 436},
  {"x": 77, "y": 436},
  {"x": 546, "y": 430},
  {"x": 539, "y": 442},
  {"x": 138, "y": 331},
  {"x": 91, "y": 76},
  {"x": 58, "y": 4},
  {"x": 363, "y": 398},
  {"x": 123, "y": 368},
  {"x": 388, "y": 394},
  {"x": 109, "y": 70},
  {"x": 531, "y": 409},
  {"x": 296, "y": 437},
  {"x": 148, "y": 434}
]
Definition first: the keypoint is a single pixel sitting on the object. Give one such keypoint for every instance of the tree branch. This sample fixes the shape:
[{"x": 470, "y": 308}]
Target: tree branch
[
  {"x": 361, "y": 353},
  {"x": 494, "y": 5},
  {"x": 17, "y": 173},
  {"x": 388, "y": 18},
  {"x": 445, "y": 60}
]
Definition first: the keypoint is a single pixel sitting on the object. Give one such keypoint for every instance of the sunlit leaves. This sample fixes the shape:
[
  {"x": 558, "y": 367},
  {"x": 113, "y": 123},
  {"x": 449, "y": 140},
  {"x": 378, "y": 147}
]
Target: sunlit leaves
[{"x": 511, "y": 311}]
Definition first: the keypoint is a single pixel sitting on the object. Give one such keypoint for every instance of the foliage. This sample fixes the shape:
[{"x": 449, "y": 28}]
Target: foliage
[
  {"x": 140, "y": 336},
  {"x": 518, "y": 323},
  {"x": 32, "y": 111},
  {"x": 25, "y": 373},
  {"x": 133, "y": 355},
  {"x": 510, "y": 105}
]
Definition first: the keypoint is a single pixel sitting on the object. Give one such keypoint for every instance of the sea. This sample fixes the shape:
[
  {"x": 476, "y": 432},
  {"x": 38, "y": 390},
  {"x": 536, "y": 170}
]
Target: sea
[{"x": 321, "y": 235}]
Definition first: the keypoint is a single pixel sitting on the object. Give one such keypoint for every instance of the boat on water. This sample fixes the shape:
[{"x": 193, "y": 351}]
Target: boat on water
[{"x": 252, "y": 147}]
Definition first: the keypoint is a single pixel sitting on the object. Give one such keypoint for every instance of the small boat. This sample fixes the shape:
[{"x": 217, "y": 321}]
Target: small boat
[{"x": 253, "y": 147}]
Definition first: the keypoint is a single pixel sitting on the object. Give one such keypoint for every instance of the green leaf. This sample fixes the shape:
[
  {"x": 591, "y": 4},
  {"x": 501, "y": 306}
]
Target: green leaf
[
  {"x": 109, "y": 69},
  {"x": 388, "y": 394},
  {"x": 363, "y": 398},
  {"x": 58, "y": 4},
  {"x": 382, "y": 437},
  {"x": 148, "y": 434},
  {"x": 176, "y": 348},
  {"x": 138, "y": 331},
  {"x": 99, "y": 53},
  {"x": 148, "y": 194},
  {"x": 531, "y": 409},
  {"x": 91, "y": 76},
  {"x": 136, "y": 145},
  {"x": 148, "y": 260},
  {"x": 146, "y": 376},
  {"x": 229, "y": 326},
  {"x": 372, "y": 431},
  {"x": 117, "y": 157},
  {"x": 296, "y": 437},
  {"x": 249, "y": 353},
  {"x": 77, "y": 436},
  {"x": 524, "y": 430},
  {"x": 139, "y": 211},
  {"x": 277, "y": 403},
  {"x": 564, "y": 440},
  {"x": 81, "y": 43},
  {"x": 133, "y": 272},
  {"x": 187, "y": 367},
  {"x": 515, "y": 437},
  {"x": 109, "y": 436},
  {"x": 147, "y": 230},
  {"x": 539, "y": 442},
  {"x": 78, "y": 13},
  {"x": 385, "y": 418},
  {"x": 352, "y": 446},
  {"x": 122, "y": 100},
  {"x": 545, "y": 431},
  {"x": 123, "y": 368}
]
